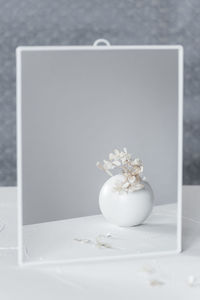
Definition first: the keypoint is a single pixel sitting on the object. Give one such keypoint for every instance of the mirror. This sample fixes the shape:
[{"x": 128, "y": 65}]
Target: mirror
[{"x": 75, "y": 106}]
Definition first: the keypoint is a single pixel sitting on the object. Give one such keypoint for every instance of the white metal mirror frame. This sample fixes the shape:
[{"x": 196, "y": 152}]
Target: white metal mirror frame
[{"x": 106, "y": 46}]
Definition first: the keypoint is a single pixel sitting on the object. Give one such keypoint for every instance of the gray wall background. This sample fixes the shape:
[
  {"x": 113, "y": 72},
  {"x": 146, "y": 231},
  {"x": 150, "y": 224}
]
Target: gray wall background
[{"x": 78, "y": 22}]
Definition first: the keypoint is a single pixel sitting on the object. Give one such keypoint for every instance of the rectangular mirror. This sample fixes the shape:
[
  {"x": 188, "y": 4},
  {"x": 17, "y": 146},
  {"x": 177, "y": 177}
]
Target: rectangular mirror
[{"x": 75, "y": 105}]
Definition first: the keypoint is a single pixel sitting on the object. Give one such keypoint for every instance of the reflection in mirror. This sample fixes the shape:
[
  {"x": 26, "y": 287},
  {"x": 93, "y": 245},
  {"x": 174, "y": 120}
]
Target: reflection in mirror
[{"x": 118, "y": 108}]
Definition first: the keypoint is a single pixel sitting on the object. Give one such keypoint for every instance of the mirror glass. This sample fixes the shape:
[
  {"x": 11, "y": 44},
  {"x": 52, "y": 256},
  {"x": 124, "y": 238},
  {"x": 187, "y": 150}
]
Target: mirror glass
[{"x": 75, "y": 106}]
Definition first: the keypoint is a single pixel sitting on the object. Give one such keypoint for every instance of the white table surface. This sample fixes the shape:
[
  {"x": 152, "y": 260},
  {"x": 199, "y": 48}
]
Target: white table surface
[
  {"x": 149, "y": 278},
  {"x": 63, "y": 240}
]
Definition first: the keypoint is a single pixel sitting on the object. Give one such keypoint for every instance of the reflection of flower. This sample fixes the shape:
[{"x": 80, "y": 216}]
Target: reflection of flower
[{"x": 131, "y": 170}]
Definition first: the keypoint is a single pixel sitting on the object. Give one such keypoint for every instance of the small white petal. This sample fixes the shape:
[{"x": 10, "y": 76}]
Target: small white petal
[
  {"x": 111, "y": 156},
  {"x": 126, "y": 184},
  {"x": 125, "y": 150},
  {"x": 99, "y": 165},
  {"x": 132, "y": 179},
  {"x": 108, "y": 165},
  {"x": 137, "y": 162},
  {"x": 108, "y": 172},
  {"x": 117, "y": 163},
  {"x": 116, "y": 151}
]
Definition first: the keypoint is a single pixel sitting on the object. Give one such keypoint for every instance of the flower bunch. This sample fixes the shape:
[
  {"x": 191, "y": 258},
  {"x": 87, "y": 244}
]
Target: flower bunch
[{"x": 131, "y": 170}]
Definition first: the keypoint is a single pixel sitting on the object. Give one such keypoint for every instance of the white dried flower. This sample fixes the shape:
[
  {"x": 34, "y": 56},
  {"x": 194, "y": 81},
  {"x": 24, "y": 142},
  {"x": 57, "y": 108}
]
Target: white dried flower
[
  {"x": 125, "y": 185},
  {"x": 132, "y": 179},
  {"x": 137, "y": 162},
  {"x": 131, "y": 169},
  {"x": 111, "y": 156},
  {"x": 125, "y": 158},
  {"x": 116, "y": 163},
  {"x": 108, "y": 165},
  {"x": 99, "y": 241}
]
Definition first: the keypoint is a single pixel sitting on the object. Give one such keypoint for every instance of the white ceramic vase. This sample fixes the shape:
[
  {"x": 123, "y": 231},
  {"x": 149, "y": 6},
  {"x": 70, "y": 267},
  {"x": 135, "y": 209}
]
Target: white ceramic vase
[{"x": 125, "y": 209}]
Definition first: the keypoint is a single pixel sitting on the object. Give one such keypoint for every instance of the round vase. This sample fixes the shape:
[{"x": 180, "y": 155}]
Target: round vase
[{"x": 125, "y": 209}]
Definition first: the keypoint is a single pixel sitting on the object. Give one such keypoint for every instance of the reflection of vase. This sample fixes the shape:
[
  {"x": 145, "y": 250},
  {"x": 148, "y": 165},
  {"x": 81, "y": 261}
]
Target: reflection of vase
[{"x": 125, "y": 209}]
